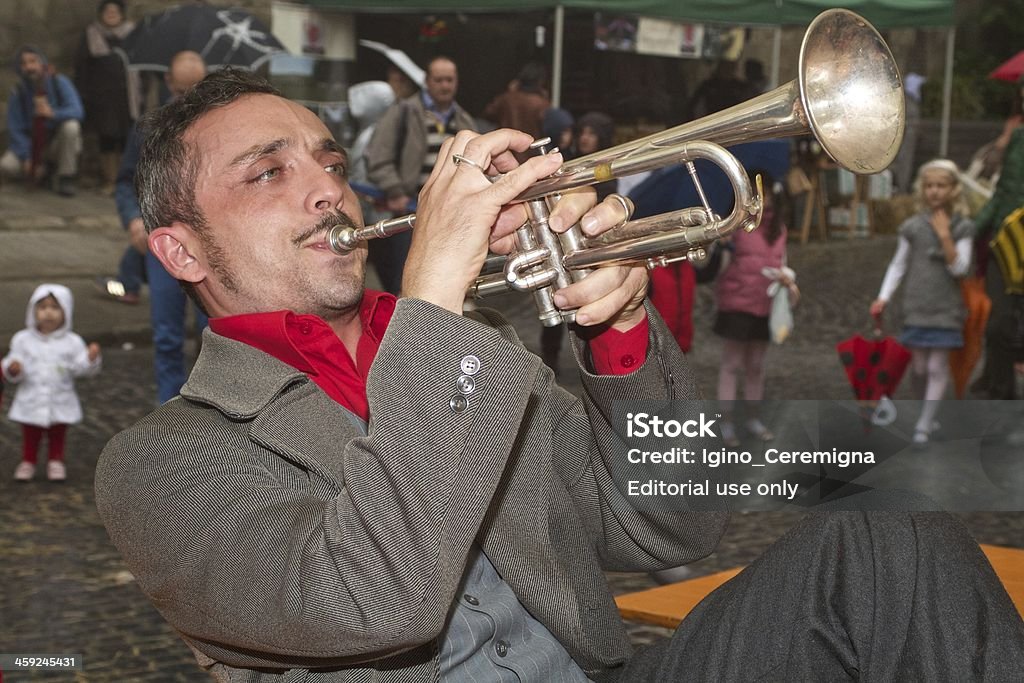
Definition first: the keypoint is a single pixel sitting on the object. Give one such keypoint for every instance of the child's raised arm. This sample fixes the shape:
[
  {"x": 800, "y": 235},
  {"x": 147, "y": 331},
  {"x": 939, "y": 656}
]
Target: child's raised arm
[{"x": 87, "y": 361}]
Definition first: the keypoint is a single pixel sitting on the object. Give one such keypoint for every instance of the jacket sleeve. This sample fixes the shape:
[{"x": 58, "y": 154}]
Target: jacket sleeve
[
  {"x": 627, "y": 533},
  {"x": 69, "y": 104},
  {"x": 15, "y": 354},
  {"x": 128, "y": 207},
  {"x": 80, "y": 365},
  {"x": 18, "y": 128},
  {"x": 383, "y": 159}
]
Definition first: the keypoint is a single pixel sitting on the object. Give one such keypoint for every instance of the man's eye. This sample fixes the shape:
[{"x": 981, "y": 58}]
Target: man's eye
[
  {"x": 338, "y": 168},
  {"x": 269, "y": 174}
]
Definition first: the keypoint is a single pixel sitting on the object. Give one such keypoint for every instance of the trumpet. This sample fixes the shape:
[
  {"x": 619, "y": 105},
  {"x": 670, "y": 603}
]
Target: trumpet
[{"x": 848, "y": 94}]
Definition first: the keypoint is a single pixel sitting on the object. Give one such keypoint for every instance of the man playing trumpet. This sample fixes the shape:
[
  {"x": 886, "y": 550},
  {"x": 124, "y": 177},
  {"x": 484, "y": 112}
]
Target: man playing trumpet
[{"x": 357, "y": 488}]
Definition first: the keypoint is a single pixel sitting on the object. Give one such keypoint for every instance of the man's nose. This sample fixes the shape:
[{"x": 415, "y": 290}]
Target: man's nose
[{"x": 325, "y": 191}]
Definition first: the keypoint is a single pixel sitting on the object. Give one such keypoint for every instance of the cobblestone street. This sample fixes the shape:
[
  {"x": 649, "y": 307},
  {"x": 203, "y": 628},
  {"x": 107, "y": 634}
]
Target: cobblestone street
[{"x": 66, "y": 590}]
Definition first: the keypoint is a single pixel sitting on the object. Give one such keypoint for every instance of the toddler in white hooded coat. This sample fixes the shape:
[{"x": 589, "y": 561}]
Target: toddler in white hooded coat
[{"x": 43, "y": 362}]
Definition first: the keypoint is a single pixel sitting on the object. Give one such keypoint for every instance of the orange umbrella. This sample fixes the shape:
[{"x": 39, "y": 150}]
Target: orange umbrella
[
  {"x": 963, "y": 360},
  {"x": 1011, "y": 69}
]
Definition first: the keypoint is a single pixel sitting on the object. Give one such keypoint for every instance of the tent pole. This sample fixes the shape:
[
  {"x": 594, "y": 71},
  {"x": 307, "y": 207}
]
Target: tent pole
[
  {"x": 556, "y": 57},
  {"x": 947, "y": 94},
  {"x": 776, "y": 56}
]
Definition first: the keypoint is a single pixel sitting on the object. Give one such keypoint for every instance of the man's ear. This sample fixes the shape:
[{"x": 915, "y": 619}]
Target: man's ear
[{"x": 177, "y": 248}]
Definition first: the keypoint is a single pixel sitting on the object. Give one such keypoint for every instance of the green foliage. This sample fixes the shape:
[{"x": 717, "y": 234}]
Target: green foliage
[
  {"x": 987, "y": 34},
  {"x": 966, "y": 104}
]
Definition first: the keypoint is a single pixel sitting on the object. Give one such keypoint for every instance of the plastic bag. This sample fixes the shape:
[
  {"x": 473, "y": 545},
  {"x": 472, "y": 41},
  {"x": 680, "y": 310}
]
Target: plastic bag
[{"x": 780, "y": 319}]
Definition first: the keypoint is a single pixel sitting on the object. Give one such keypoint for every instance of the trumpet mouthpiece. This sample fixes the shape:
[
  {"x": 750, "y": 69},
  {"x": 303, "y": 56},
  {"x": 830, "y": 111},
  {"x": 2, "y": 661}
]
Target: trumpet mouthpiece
[{"x": 342, "y": 239}]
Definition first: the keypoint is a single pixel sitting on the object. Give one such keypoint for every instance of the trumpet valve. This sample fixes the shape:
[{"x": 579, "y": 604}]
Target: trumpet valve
[{"x": 517, "y": 277}]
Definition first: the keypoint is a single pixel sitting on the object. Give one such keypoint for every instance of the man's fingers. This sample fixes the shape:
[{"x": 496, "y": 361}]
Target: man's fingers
[
  {"x": 511, "y": 218},
  {"x": 613, "y": 212},
  {"x": 571, "y": 207},
  {"x": 493, "y": 151},
  {"x": 510, "y": 185},
  {"x": 604, "y": 294}
]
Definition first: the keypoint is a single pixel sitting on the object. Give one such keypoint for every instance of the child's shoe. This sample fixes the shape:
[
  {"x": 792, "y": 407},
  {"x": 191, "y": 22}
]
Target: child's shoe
[
  {"x": 758, "y": 430},
  {"x": 25, "y": 471},
  {"x": 55, "y": 471},
  {"x": 729, "y": 435},
  {"x": 920, "y": 438}
]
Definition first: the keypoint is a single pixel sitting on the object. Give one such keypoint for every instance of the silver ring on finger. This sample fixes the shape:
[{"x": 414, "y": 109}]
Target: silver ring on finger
[
  {"x": 627, "y": 206},
  {"x": 458, "y": 160}
]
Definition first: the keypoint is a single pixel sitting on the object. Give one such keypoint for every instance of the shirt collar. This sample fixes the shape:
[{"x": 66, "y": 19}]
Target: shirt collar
[
  {"x": 269, "y": 332},
  {"x": 431, "y": 106}
]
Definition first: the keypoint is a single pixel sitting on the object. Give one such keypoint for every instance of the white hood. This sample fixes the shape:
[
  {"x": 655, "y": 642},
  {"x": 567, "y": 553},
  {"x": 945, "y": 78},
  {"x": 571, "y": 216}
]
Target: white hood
[
  {"x": 63, "y": 296},
  {"x": 369, "y": 100}
]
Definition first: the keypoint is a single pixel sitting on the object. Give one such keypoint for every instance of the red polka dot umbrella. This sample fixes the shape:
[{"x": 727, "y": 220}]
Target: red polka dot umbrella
[{"x": 873, "y": 366}]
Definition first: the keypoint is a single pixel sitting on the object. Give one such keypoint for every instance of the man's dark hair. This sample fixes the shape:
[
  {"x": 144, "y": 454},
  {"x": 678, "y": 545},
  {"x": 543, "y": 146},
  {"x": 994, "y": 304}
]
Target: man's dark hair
[{"x": 165, "y": 178}]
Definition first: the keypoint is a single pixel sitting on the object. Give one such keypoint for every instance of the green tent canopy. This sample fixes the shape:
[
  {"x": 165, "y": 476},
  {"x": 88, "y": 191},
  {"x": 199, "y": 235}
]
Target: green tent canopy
[{"x": 881, "y": 13}]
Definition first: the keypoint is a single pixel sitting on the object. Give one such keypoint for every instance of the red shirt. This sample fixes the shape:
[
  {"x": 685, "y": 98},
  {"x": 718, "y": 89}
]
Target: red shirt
[{"x": 308, "y": 344}]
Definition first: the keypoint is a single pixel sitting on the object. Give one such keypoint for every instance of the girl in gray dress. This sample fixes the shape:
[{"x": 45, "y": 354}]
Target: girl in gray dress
[{"x": 933, "y": 253}]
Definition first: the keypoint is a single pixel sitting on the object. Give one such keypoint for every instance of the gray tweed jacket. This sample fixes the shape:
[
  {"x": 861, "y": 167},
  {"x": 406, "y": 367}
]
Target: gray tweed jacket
[{"x": 283, "y": 545}]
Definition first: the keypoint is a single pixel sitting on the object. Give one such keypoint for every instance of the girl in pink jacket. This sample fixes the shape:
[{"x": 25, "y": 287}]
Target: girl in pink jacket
[{"x": 741, "y": 294}]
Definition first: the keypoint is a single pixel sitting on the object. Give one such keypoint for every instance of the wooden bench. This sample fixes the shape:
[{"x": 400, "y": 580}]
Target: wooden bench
[{"x": 668, "y": 605}]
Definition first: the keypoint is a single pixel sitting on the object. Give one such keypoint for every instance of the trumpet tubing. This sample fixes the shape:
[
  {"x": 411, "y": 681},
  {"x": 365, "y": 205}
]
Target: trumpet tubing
[{"x": 848, "y": 94}]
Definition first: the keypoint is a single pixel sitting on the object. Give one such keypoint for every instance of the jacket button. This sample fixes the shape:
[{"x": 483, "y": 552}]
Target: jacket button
[
  {"x": 458, "y": 403},
  {"x": 466, "y": 384},
  {"x": 470, "y": 365},
  {"x": 471, "y": 599},
  {"x": 501, "y": 647}
]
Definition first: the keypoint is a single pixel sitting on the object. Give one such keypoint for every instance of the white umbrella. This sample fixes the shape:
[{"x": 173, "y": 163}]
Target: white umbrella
[{"x": 399, "y": 59}]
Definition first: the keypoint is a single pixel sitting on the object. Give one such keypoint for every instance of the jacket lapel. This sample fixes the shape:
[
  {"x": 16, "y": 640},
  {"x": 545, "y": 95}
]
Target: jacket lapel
[{"x": 288, "y": 413}]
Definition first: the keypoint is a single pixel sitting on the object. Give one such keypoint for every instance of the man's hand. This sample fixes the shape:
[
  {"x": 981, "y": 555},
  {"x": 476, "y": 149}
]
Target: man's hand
[
  {"x": 14, "y": 368},
  {"x": 463, "y": 198},
  {"x": 42, "y": 107},
  {"x": 458, "y": 209},
  {"x": 137, "y": 235},
  {"x": 93, "y": 352},
  {"x": 612, "y": 294},
  {"x": 609, "y": 295}
]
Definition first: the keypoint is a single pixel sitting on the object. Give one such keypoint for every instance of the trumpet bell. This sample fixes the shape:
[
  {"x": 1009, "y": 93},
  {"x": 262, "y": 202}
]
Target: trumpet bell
[{"x": 851, "y": 92}]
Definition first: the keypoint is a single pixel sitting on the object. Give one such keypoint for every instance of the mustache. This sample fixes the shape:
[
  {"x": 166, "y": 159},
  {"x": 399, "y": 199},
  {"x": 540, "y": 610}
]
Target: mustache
[{"x": 328, "y": 221}]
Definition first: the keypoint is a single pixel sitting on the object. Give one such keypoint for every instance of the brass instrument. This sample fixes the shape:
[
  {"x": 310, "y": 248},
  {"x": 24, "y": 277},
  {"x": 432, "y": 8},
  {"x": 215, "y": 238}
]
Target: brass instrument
[{"x": 848, "y": 94}]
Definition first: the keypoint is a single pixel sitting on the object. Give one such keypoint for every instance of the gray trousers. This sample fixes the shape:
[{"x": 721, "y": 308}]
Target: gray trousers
[
  {"x": 63, "y": 149},
  {"x": 879, "y": 596}
]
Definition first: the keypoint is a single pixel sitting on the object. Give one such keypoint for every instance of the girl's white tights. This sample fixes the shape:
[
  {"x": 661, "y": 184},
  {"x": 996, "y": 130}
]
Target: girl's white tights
[{"x": 930, "y": 375}]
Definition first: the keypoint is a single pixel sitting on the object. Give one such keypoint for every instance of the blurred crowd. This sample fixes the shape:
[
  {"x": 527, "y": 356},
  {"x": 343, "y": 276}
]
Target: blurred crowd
[{"x": 961, "y": 238}]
